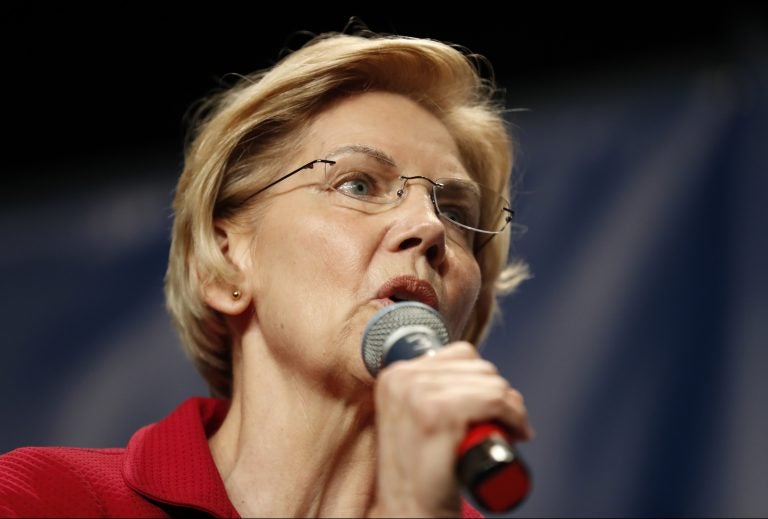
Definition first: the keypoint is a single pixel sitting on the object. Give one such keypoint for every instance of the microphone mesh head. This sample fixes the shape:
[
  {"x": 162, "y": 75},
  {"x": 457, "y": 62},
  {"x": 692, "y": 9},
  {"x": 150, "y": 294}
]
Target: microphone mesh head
[{"x": 391, "y": 318}]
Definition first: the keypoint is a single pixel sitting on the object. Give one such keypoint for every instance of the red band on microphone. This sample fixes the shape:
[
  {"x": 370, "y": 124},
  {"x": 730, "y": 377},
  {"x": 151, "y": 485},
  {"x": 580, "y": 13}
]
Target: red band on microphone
[
  {"x": 478, "y": 433},
  {"x": 491, "y": 468}
]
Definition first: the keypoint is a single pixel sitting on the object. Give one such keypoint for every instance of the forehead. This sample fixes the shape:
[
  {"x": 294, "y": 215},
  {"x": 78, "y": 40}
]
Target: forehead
[{"x": 400, "y": 128}]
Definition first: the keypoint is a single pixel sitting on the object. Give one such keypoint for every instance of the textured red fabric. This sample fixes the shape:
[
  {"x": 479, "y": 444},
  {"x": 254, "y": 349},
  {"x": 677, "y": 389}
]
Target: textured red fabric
[{"x": 165, "y": 470}]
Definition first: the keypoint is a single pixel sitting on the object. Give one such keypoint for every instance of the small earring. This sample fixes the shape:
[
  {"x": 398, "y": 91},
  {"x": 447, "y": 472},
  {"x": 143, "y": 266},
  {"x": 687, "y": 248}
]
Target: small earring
[{"x": 236, "y": 294}]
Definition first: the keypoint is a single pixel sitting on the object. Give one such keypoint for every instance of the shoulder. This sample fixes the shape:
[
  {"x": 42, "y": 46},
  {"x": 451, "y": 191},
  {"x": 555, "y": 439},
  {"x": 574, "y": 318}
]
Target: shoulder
[
  {"x": 41, "y": 481},
  {"x": 166, "y": 467}
]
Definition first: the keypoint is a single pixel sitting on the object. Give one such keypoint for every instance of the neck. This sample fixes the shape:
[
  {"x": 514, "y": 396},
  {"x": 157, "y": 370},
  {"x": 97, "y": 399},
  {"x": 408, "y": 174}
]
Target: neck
[{"x": 287, "y": 448}]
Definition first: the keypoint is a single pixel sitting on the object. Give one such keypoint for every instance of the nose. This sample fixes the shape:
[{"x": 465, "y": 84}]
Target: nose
[{"x": 417, "y": 226}]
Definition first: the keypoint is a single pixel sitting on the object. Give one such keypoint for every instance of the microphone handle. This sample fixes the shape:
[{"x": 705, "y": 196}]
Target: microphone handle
[{"x": 489, "y": 466}]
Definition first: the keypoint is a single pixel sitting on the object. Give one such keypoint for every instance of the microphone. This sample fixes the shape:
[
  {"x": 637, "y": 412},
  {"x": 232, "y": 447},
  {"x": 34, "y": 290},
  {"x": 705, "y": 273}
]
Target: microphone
[{"x": 489, "y": 466}]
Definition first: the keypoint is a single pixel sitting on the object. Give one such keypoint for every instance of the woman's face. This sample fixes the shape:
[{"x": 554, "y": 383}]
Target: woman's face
[{"x": 318, "y": 271}]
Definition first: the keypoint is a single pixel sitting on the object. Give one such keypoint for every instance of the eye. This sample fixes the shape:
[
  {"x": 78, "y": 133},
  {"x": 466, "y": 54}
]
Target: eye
[
  {"x": 366, "y": 181},
  {"x": 455, "y": 214},
  {"x": 367, "y": 186},
  {"x": 458, "y": 202},
  {"x": 356, "y": 187}
]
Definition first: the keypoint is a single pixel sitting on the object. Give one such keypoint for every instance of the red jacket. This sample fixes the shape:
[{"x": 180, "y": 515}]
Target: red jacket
[{"x": 165, "y": 470}]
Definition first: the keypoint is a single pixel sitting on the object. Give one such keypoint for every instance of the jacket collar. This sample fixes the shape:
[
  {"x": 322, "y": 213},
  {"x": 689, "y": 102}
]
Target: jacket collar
[{"x": 170, "y": 461}]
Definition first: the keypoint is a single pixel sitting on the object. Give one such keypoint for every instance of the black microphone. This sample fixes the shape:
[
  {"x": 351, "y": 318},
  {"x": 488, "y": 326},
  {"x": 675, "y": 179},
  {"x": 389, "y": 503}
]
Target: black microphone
[{"x": 489, "y": 466}]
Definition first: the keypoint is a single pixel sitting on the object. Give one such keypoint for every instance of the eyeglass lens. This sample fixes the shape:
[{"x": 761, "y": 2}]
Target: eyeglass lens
[{"x": 369, "y": 183}]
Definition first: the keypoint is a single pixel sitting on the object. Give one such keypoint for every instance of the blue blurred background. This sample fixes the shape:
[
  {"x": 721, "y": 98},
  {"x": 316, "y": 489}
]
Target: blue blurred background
[{"x": 640, "y": 344}]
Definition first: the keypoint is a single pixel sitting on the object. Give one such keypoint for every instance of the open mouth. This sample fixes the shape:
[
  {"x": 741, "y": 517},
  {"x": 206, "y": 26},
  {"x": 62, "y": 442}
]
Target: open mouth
[{"x": 409, "y": 288}]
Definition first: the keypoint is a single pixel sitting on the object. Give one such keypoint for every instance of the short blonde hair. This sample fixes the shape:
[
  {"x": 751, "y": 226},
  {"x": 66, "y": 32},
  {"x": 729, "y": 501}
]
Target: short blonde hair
[{"x": 240, "y": 136}]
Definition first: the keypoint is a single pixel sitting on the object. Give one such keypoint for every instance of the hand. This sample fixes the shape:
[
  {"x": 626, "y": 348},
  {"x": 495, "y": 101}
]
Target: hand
[{"x": 423, "y": 409}]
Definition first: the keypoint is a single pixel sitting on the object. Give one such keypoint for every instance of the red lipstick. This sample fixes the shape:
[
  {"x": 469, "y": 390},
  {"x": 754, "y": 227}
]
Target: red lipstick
[{"x": 409, "y": 288}]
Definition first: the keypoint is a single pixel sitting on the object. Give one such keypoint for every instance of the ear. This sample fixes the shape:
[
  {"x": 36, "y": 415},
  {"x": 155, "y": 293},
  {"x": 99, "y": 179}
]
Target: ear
[{"x": 227, "y": 297}]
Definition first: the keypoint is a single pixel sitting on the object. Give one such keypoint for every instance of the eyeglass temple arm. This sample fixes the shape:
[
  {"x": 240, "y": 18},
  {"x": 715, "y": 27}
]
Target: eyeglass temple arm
[
  {"x": 308, "y": 165},
  {"x": 509, "y": 217}
]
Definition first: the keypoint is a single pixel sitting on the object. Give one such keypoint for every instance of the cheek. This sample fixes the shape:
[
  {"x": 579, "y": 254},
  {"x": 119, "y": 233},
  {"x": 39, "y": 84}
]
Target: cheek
[
  {"x": 319, "y": 257},
  {"x": 340, "y": 250},
  {"x": 306, "y": 279},
  {"x": 475, "y": 279},
  {"x": 471, "y": 287},
  {"x": 464, "y": 290}
]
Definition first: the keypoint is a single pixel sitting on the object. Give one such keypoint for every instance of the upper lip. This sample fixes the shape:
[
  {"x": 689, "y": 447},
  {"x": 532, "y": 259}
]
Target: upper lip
[{"x": 409, "y": 288}]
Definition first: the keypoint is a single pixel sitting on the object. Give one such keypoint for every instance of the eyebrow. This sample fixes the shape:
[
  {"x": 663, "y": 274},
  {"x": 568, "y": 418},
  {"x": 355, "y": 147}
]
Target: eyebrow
[{"x": 372, "y": 152}]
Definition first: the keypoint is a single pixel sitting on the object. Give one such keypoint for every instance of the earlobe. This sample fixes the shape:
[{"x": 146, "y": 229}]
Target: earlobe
[
  {"x": 223, "y": 295},
  {"x": 225, "y": 298}
]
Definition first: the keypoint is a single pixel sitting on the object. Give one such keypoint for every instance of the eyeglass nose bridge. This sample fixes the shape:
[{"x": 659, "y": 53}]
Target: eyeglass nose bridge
[{"x": 401, "y": 192}]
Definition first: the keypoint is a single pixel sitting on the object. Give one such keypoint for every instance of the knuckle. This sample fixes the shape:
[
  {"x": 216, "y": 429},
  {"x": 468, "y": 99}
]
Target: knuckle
[
  {"x": 499, "y": 395},
  {"x": 392, "y": 380},
  {"x": 488, "y": 367},
  {"x": 516, "y": 396},
  {"x": 462, "y": 349},
  {"x": 404, "y": 385}
]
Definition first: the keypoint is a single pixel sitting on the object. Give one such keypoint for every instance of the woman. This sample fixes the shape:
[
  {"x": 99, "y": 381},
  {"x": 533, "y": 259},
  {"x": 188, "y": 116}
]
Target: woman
[{"x": 357, "y": 172}]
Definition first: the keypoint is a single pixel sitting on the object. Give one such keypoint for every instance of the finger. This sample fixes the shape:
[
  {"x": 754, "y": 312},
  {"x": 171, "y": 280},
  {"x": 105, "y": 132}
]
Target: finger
[
  {"x": 411, "y": 379},
  {"x": 455, "y": 352},
  {"x": 485, "y": 402},
  {"x": 473, "y": 399},
  {"x": 441, "y": 399}
]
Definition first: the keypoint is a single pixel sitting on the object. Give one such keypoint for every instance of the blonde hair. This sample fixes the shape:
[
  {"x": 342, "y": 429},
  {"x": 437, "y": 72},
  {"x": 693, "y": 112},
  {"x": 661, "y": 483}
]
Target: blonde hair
[{"x": 241, "y": 134}]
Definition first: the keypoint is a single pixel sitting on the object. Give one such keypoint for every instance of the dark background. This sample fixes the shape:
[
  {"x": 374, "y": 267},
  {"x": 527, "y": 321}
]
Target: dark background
[
  {"x": 641, "y": 343},
  {"x": 82, "y": 84}
]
